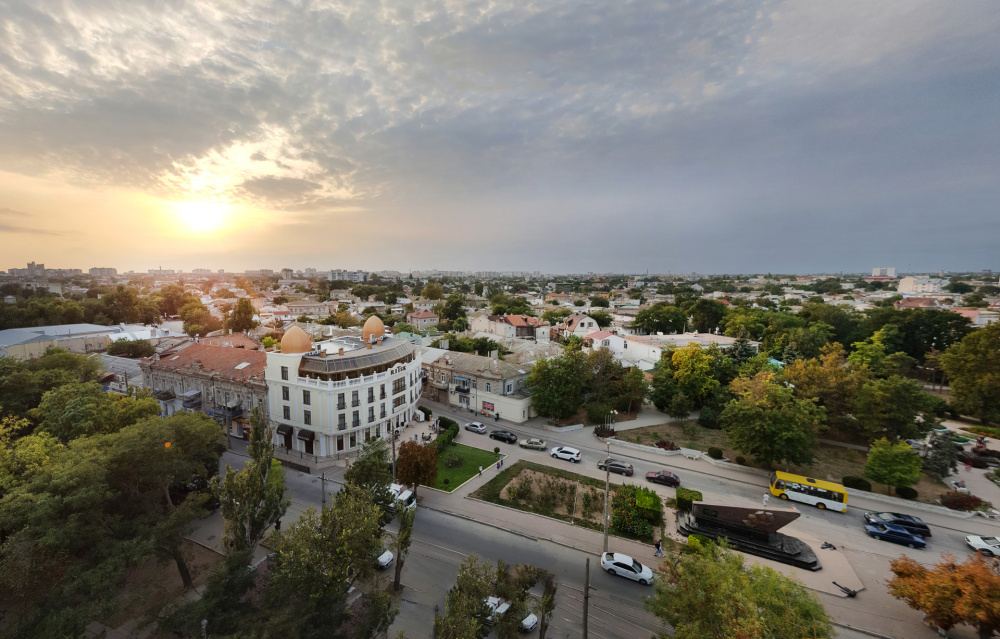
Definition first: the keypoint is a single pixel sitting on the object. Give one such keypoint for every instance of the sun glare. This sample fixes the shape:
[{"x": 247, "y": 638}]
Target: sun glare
[{"x": 202, "y": 216}]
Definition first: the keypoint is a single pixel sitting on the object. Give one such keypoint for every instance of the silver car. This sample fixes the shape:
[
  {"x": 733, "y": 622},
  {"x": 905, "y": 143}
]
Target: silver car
[{"x": 476, "y": 427}]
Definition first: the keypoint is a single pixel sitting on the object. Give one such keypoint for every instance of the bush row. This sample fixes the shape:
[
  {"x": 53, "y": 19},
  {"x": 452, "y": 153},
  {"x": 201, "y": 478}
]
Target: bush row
[
  {"x": 447, "y": 434},
  {"x": 685, "y": 496}
]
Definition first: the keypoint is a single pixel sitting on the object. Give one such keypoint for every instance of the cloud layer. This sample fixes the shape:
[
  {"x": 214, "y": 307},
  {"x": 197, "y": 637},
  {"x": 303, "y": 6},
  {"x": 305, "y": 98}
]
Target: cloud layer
[{"x": 559, "y": 135}]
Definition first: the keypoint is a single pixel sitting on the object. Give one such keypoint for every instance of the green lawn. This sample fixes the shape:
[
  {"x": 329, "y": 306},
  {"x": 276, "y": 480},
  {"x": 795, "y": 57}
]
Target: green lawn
[{"x": 472, "y": 459}]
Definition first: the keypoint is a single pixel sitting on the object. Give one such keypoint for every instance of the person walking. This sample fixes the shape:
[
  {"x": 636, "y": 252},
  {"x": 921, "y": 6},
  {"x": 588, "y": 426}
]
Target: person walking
[
  {"x": 501, "y": 462},
  {"x": 480, "y": 471},
  {"x": 767, "y": 498},
  {"x": 659, "y": 550},
  {"x": 498, "y": 465}
]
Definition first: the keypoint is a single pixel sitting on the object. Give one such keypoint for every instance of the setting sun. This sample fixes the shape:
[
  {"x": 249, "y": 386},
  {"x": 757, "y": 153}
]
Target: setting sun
[{"x": 202, "y": 216}]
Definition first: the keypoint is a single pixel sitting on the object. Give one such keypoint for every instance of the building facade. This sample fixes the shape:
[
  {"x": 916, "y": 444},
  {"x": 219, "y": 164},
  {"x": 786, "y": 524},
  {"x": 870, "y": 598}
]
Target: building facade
[
  {"x": 328, "y": 398},
  {"x": 512, "y": 326},
  {"x": 913, "y": 285},
  {"x": 422, "y": 319},
  {"x": 482, "y": 385}
]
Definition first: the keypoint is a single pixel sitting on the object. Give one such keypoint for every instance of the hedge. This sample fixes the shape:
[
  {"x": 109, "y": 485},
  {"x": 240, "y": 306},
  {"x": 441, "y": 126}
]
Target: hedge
[
  {"x": 988, "y": 431},
  {"x": 715, "y": 453},
  {"x": 960, "y": 501},
  {"x": 857, "y": 483},
  {"x": 650, "y": 505},
  {"x": 447, "y": 434},
  {"x": 906, "y": 492},
  {"x": 685, "y": 496},
  {"x": 426, "y": 411}
]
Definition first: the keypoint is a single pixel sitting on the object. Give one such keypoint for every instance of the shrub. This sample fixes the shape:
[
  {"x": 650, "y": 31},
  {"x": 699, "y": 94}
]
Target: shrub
[
  {"x": 604, "y": 431},
  {"x": 708, "y": 418},
  {"x": 715, "y": 453},
  {"x": 690, "y": 430},
  {"x": 906, "y": 492},
  {"x": 521, "y": 490},
  {"x": 597, "y": 412},
  {"x": 496, "y": 450},
  {"x": 571, "y": 504},
  {"x": 426, "y": 411},
  {"x": 685, "y": 496},
  {"x": 858, "y": 483},
  {"x": 446, "y": 482},
  {"x": 650, "y": 505},
  {"x": 959, "y": 501},
  {"x": 626, "y": 516},
  {"x": 587, "y": 502},
  {"x": 667, "y": 445},
  {"x": 988, "y": 431},
  {"x": 451, "y": 460},
  {"x": 935, "y": 405},
  {"x": 446, "y": 437},
  {"x": 741, "y": 460},
  {"x": 700, "y": 538}
]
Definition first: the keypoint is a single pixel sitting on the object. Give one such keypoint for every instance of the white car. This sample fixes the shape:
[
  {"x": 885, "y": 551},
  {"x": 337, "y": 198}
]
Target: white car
[
  {"x": 476, "y": 427},
  {"x": 529, "y": 623},
  {"x": 498, "y": 608},
  {"x": 624, "y": 566},
  {"x": 567, "y": 453},
  {"x": 988, "y": 546},
  {"x": 385, "y": 559}
]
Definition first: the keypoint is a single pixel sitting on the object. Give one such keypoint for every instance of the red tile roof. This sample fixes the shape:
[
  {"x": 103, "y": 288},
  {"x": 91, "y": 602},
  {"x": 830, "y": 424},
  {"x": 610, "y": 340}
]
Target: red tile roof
[
  {"x": 236, "y": 340},
  {"x": 422, "y": 314},
  {"x": 225, "y": 360}
]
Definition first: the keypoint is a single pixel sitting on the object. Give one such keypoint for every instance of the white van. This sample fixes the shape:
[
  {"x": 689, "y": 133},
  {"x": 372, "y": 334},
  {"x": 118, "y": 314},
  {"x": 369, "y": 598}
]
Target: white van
[{"x": 401, "y": 494}]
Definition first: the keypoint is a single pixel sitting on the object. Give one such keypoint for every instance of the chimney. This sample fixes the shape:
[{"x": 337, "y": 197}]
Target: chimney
[{"x": 340, "y": 351}]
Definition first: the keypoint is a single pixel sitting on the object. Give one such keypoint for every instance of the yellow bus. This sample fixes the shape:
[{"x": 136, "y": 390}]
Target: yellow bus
[{"x": 819, "y": 493}]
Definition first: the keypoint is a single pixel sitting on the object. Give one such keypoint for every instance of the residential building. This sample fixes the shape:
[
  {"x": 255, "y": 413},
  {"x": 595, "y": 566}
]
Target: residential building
[
  {"x": 978, "y": 317},
  {"x": 223, "y": 382},
  {"x": 309, "y": 308},
  {"x": 327, "y": 398},
  {"x": 917, "y": 302},
  {"x": 422, "y": 319},
  {"x": 102, "y": 271},
  {"x": 913, "y": 285},
  {"x": 485, "y": 385},
  {"x": 512, "y": 326},
  {"x": 884, "y": 272},
  {"x": 32, "y": 342},
  {"x": 578, "y": 324},
  {"x": 644, "y": 351}
]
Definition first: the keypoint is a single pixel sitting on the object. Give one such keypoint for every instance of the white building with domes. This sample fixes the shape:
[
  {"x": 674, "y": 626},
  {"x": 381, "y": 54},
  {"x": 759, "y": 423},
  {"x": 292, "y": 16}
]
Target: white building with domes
[{"x": 327, "y": 398}]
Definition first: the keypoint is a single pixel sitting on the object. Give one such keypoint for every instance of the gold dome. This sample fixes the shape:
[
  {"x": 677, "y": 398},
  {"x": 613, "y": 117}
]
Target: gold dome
[
  {"x": 373, "y": 329},
  {"x": 296, "y": 340}
]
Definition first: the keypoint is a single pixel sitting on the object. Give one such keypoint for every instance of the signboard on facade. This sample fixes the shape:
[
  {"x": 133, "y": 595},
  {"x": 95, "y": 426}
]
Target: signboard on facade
[{"x": 487, "y": 406}]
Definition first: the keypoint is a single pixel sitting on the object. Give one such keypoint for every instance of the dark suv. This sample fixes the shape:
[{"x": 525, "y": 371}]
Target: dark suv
[
  {"x": 504, "y": 436},
  {"x": 908, "y": 523},
  {"x": 616, "y": 466}
]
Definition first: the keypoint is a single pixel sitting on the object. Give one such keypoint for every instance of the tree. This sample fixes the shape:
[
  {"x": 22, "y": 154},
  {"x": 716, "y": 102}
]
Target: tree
[
  {"x": 77, "y": 410},
  {"x": 253, "y": 498},
  {"x": 950, "y": 593},
  {"x": 892, "y": 408},
  {"x": 706, "y": 314},
  {"x": 663, "y": 388},
  {"x": 557, "y": 384},
  {"x": 693, "y": 368},
  {"x": 403, "y": 327},
  {"x": 892, "y": 464},
  {"x": 830, "y": 382},
  {"x": 454, "y": 307},
  {"x": 741, "y": 350},
  {"x": 464, "y": 607},
  {"x": 601, "y": 302},
  {"x": 973, "y": 369},
  {"x": 432, "y": 291},
  {"x": 633, "y": 389},
  {"x": 242, "y": 318},
  {"x": 416, "y": 464},
  {"x": 709, "y": 592},
  {"x": 766, "y": 421},
  {"x": 660, "y": 318},
  {"x": 401, "y": 544},
  {"x": 131, "y": 348},
  {"x": 478, "y": 289},
  {"x": 940, "y": 458},
  {"x": 372, "y": 471},
  {"x": 603, "y": 318}
]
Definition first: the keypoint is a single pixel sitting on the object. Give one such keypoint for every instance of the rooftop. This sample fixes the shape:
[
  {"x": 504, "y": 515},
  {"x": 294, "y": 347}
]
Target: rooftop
[{"x": 228, "y": 362}]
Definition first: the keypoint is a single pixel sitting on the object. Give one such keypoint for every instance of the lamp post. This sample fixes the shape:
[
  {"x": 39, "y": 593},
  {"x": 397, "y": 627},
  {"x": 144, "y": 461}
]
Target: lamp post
[{"x": 609, "y": 421}]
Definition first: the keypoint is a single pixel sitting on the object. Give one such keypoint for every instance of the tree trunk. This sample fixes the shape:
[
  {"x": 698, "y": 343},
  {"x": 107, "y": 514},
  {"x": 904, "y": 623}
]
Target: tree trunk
[
  {"x": 399, "y": 571},
  {"x": 182, "y": 568}
]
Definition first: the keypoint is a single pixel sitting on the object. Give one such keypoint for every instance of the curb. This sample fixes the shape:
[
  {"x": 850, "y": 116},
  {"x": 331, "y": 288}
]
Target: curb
[
  {"x": 472, "y": 519},
  {"x": 870, "y": 633},
  {"x": 562, "y": 429}
]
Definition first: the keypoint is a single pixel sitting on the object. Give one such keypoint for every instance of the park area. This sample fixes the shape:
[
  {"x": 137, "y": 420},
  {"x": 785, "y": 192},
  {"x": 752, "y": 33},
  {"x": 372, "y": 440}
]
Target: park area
[
  {"x": 832, "y": 463},
  {"x": 636, "y": 511},
  {"x": 458, "y": 463}
]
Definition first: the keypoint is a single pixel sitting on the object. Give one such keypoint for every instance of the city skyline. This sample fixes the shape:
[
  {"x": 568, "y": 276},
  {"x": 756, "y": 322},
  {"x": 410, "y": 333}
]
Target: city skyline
[{"x": 564, "y": 138}]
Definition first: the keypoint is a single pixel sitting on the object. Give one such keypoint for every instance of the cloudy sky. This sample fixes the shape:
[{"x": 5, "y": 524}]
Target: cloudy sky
[{"x": 561, "y": 136}]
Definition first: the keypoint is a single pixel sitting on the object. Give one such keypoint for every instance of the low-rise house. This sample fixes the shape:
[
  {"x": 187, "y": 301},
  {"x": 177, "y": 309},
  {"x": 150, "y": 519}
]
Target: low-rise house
[
  {"x": 512, "y": 326},
  {"x": 917, "y": 302},
  {"x": 578, "y": 324},
  {"x": 309, "y": 308},
  {"x": 978, "y": 317},
  {"x": 484, "y": 385},
  {"x": 644, "y": 351},
  {"x": 911, "y": 285},
  {"x": 422, "y": 320}
]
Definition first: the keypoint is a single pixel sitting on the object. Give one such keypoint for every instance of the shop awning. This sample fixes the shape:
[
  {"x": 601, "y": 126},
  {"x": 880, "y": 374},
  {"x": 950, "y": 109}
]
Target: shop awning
[
  {"x": 284, "y": 429},
  {"x": 306, "y": 435},
  {"x": 191, "y": 394},
  {"x": 459, "y": 377}
]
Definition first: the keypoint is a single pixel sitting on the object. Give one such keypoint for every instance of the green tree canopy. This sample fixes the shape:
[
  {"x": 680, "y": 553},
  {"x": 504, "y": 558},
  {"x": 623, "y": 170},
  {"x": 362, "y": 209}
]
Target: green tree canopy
[
  {"x": 893, "y": 407},
  {"x": 557, "y": 384},
  {"x": 892, "y": 464},
  {"x": 242, "y": 319},
  {"x": 973, "y": 369}
]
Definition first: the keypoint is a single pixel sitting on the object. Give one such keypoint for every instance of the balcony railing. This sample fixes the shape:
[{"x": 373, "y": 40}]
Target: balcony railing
[
  {"x": 341, "y": 406},
  {"x": 355, "y": 403}
]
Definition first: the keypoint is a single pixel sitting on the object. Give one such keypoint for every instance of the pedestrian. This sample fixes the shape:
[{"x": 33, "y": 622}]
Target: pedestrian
[
  {"x": 501, "y": 462},
  {"x": 968, "y": 466},
  {"x": 496, "y": 417},
  {"x": 498, "y": 465},
  {"x": 767, "y": 498},
  {"x": 480, "y": 470},
  {"x": 659, "y": 550}
]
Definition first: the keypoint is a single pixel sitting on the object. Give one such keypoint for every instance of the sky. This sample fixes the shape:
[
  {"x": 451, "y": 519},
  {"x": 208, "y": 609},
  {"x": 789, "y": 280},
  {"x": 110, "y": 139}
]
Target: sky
[{"x": 561, "y": 136}]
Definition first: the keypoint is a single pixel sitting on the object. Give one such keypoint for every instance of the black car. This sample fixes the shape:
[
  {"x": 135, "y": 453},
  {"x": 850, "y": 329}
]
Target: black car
[
  {"x": 616, "y": 466},
  {"x": 908, "y": 523},
  {"x": 504, "y": 436}
]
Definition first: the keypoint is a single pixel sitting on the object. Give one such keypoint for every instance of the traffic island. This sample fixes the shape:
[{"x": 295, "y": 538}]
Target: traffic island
[{"x": 750, "y": 530}]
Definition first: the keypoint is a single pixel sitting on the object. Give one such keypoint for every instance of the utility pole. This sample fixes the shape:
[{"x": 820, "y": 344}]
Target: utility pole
[
  {"x": 586, "y": 597},
  {"x": 392, "y": 438},
  {"x": 322, "y": 482},
  {"x": 607, "y": 492}
]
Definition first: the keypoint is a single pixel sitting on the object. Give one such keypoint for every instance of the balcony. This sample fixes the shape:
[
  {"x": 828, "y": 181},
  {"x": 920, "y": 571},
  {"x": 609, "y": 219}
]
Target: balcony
[
  {"x": 464, "y": 390},
  {"x": 355, "y": 403},
  {"x": 341, "y": 406},
  {"x": 341, "y": 425},
  {"x": 356, "y": 423}
]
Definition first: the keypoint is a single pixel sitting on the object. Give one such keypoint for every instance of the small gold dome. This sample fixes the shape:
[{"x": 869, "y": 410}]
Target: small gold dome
[
  {"x": 373, "y": 329},
  {"x": 296, "y": 340}
]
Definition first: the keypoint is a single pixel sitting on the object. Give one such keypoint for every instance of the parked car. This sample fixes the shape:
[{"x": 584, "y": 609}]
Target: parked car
[
  {"x": 529, "y": 623},
  {"x": 504, "y": 436},
  {"x": 497, "y": 607},
  {"x": 908, "y": 523},
  {"x": 978, "y": 461},
  {"x": 616, "y": 466},
  {"x": 384, "y": 560},
  {"x": 567, "y": 453},
  {"x": 533, "y": 442},
  {"x": 624, "y": 566},
  {"x": 399, "y": 493},
  {"x": 988, "y": 546},
  {"x": 664, "y": 477},
  {"x": 895, "y": 534},
  {"x": 476, "y": 427}
]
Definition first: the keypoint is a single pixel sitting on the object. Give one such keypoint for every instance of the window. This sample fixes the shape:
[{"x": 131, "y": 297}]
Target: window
[
  {"x": 340, "y": 402},
  {"x": 356, "y": 421},
  {"x": 399, "y": 401},
  {"x": 286, "y": 412},
  {"x": 341, "y": 422},
  {"x": 382, "y": 414},
  {"x": 510, "y": 388},
  {"x": 473, "y": 384},
  {"x": 399, "y": 385},
  {"x": 284, "y": 393},
  {"x": 307, "y": 417},
  {"x": 284, "y": 373},
  {"x": 354, "y": 399},
  {"x": 354, "y": 440},
  {"x": 305, "y": 397},
  {"x": 371, "y": 395},
  {"x": 381, "y": 394},
  {"x": 371, "y": 414},
  {"x": 489, "y": 387}
]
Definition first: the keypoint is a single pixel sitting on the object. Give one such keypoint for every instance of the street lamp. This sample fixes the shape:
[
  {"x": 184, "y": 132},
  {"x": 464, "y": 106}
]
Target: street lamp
[{"x": 609, "y": 421}]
